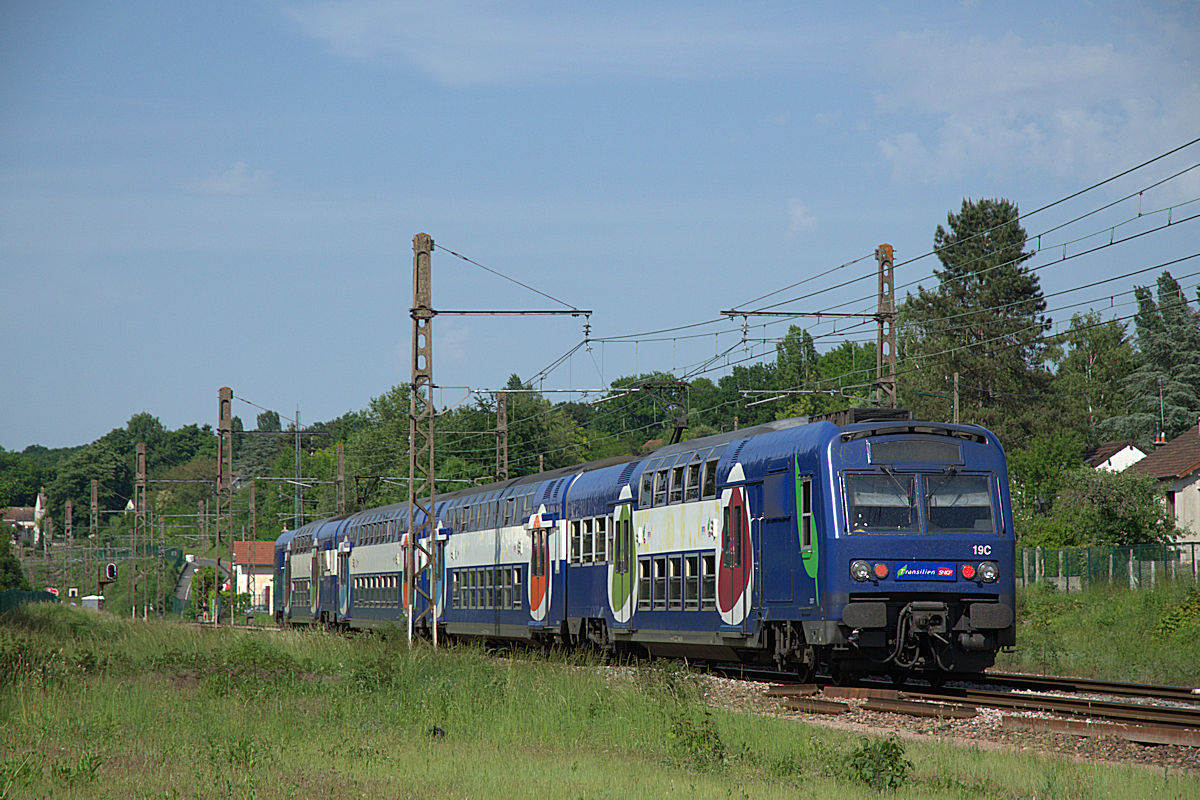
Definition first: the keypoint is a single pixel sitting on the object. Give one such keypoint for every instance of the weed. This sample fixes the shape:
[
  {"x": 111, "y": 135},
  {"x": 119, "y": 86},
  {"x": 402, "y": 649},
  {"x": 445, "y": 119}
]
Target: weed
[
  {"x": 880, "y": 764},
  {"x": 1185, "y": 614},
  {"x": 22, "y": 771},
  {"x": 696, "y": 740}
]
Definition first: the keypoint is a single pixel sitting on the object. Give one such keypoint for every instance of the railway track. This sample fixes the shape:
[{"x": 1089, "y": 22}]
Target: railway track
[{"x": 1147, "y": 714}]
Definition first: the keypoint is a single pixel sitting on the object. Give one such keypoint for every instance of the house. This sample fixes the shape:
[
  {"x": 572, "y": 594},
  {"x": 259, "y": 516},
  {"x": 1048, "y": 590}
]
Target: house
[
  {"x": 21, "y": 518},
  {"x": 1114, "y": 456},
  {"x": 1177, "y": 465},
  {"x": 253, "y": 569}
]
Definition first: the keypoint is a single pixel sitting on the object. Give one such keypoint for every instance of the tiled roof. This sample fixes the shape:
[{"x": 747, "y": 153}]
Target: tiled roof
[
  {"x": 1176, "y": 458},
  {"x": 1103, "y": 452},
  {"x": 18, "y": 514},
  {"x": 254, "y": 553}
]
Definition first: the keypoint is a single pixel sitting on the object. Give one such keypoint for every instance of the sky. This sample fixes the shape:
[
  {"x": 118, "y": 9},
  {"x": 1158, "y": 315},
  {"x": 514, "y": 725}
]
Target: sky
[{"x": 225, "y": 194}]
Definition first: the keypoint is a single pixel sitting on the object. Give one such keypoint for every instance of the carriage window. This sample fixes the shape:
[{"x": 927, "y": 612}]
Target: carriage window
[
  {"x": 807, "y": 523},
  {"x": 959, "y": 503},
  {"x": 622, "y": 544},
  {"x": 576, "y": 540},
  {"x": 647, "y": 485},
  {"x": 516, "y": 595},
  {"x": 677, "y": 484},
  {"x": 881, "y": 503},
  {"x": 692, "y": 492},
  {"x": 660, "y": 583},
  {"x": 676, "y": 577},
  {"x": 710, "y": 479},
  {"x": 731, "y": 537},
  {"x": 691, "y": 583},
  {"x": 660, "y": 487},
  {"x": 708, "y": 582},
  {"x": 643, "y": 584},
  {"x": 588, "y": 541},
  {"x": 601, "y": 553}
]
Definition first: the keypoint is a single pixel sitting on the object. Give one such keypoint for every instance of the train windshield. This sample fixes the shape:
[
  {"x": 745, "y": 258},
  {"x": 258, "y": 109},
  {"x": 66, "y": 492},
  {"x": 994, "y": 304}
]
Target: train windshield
[
  {"x": 881, "y": 503},
  {"x": 959, "y": 503}
]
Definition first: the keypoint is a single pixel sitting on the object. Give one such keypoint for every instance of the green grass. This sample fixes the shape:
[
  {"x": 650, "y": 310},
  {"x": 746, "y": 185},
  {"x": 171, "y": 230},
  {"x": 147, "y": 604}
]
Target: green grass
[
  {"x": 1144, "y": 636},
  {"x": 97, "y": 706}
]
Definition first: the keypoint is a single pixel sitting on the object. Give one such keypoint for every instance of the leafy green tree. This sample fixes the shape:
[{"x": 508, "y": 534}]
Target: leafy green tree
[
  {"x": 1037, "y": 471},
  {"x": 11, "y": 574},
  {"x": 1092, "y": 361},
  {"x": 835, "y": 379},
  {"x": 1097, "y": 507},
  {"x": 1165, "y": 387},
  {"x": 984, "y": 320},
  {"x": 20, "y": 477}
]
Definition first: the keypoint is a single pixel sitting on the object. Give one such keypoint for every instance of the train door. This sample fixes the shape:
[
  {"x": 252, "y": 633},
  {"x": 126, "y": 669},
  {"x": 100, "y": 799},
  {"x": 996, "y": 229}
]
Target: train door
[
  {"x": 807, "y": 585},
  {"x": 539, "y": 569},
  {"x": 287, "y": 581},
  {"x": 315, "y": 585},
  {"x": 735, "y": 557},
  {"x": 343, "y": 579},
  {"x": 622, "y": 570}
]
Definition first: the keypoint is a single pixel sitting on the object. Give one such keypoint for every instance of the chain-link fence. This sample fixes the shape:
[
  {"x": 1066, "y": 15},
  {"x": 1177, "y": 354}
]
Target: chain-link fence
[{"x": 1070, "y": 569}]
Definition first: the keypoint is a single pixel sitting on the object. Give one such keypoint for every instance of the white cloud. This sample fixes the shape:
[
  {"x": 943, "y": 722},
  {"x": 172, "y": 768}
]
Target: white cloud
[
  {"x": 800, "y": 219},
  {"x": 239, "y": 179},
  {"x": 990, "y": 103}
]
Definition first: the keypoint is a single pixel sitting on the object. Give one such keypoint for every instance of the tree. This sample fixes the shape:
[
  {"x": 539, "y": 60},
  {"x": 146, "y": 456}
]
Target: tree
[
  {"x": 984, "y": 320},
  {"x": 832, "y": 379},
  {"x": 1037, "y": 471},
  {"x": 11, "y": 574},
  {"x": 1097, "y": 507},
  {"x": 1093, "y": 359},
  {"x": 1165, "y": 387}
]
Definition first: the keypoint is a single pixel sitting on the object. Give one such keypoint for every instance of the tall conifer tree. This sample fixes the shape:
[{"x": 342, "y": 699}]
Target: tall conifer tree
[{"x": 984, "y": 320}]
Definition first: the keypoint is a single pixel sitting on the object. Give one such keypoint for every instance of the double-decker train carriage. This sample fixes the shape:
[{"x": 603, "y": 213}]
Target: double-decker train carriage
[{"x": 868, "y": 542}]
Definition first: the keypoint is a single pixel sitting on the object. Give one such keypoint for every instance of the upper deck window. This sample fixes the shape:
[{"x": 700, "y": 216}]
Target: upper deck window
[
  {"x": 959, "y": 503},
  {"x": 881, "y": 503}
]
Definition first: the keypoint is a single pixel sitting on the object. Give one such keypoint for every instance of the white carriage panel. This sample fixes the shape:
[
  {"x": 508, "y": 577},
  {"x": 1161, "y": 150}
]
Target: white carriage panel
[
  {"x": 685, "y": 526},
  {"x": 302, "y": 566},
  {"x": 492, "y": 546},
  {"x": 376, "y": 558}
]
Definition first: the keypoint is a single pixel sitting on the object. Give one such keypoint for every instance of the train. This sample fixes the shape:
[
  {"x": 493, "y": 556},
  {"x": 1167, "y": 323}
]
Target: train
[{"x": 863, "y": 542}]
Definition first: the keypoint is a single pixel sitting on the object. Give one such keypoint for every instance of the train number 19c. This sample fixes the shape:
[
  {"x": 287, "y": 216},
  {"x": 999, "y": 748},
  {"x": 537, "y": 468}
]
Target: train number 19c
[{"x": 982, "y": 550}]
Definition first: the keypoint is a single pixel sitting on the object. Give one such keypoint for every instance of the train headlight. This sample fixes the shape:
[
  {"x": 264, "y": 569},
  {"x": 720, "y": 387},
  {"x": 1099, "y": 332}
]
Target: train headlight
[
  {"x": 968, "y": 572},
  {"x": 881, "y": 571},
  {"x": 989, "y": 572},
  {"x": 860, "y": 570}
]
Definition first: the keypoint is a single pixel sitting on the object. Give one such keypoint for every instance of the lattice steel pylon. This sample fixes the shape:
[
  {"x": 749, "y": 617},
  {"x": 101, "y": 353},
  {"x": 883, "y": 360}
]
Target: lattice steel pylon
[
  {"x": 501, "y": 436},
  {"x": 885, "y": 339},
  {"x": 420, "y": 556},
  {"x": 224, "y": 517},
  {"x": 139, "y": 510}
]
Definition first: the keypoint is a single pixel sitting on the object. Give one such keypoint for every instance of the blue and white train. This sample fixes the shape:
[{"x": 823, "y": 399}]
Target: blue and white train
[{"x": 867, "y": 543}]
